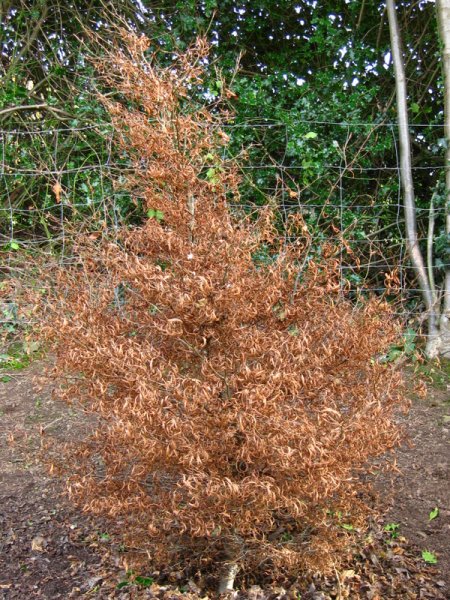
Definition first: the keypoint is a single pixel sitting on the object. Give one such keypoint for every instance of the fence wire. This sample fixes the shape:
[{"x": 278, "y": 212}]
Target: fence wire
[{"x": 54, "y": 181}]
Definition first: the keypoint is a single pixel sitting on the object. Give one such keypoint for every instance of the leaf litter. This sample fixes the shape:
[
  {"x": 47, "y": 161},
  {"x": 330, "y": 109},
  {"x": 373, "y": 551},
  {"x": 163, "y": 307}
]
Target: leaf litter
[{"x": 51, "y": 550}]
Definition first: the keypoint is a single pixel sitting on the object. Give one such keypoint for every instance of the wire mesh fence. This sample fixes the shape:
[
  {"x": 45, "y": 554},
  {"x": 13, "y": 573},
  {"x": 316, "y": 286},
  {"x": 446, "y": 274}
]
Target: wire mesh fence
[{"x": 53, "y": 182}]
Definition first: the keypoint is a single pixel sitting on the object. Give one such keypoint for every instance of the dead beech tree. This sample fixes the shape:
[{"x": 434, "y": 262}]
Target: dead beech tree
[
  {"x": 437, "y": 302},
  {"x": 232, "y": 399}
]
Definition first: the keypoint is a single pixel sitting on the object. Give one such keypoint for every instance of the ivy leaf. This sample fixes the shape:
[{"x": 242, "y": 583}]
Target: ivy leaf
[
  {"x": 143, "y": 581},
  {"x": 154, "y": 213},
  {"x": 14, "y": 245},
  {"x": 434, "y": 513},
  {"x": 415, "y": 108},
  {"x": 122, "y": 584},
  {"x": 392, "y": 528},
  {"x": 211, "y": 175},
  {"x": 347, "y": 527},
  {"x": 311, "y": 135},
  {"x": 429, "y": 557}
]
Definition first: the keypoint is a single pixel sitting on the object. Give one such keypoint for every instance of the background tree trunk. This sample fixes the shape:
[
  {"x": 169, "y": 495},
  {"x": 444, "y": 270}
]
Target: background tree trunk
[
  {"x": 434, "y": 340},
  {"x": 443, "y": 15}
]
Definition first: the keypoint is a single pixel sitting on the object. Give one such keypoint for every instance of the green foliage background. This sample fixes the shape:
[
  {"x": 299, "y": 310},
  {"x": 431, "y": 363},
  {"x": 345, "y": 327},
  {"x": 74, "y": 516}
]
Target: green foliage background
[{"x": 313, "y": 101}]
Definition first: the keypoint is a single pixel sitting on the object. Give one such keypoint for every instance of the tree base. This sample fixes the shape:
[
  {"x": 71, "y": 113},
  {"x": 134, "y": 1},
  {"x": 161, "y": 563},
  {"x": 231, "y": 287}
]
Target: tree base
[
  {"x": 438, "y": 344},
  {"x": 226, "y": 583}
]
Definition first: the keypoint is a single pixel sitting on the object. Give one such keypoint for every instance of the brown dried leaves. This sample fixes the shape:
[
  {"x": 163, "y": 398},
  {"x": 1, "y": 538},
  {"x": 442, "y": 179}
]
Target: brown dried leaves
[{"x": 234, "y": 400}]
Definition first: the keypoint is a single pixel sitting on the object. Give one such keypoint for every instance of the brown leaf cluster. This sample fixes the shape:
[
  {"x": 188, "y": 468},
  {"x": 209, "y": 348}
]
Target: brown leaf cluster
[{"x": 240, "y": 403}]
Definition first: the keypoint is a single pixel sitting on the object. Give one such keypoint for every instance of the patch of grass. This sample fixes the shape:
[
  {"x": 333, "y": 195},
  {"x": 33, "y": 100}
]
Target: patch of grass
[
  {"x": 436, "y": 372},
  {"x": 14, "y": 362},
  {"x": 18, "y": 356}
]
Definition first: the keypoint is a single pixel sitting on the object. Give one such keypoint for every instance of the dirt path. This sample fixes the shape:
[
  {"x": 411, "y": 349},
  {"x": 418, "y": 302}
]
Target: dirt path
[
  {"x": 49, "y": 550},
  {"x": 423, "y": 483}
]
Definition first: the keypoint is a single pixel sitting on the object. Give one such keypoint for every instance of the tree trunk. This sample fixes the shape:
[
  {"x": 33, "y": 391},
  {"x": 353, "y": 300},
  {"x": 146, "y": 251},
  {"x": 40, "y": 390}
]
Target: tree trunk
[
  {"x": 226, "y": 583},
  {"x": 417, "y": 260},
  {"x": 443, "y": 15},
  {"x": 233, "y": 547}
]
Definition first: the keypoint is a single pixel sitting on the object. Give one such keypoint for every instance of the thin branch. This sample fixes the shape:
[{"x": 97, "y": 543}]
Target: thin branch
[
  {"x": 430, "y": 236},
  {"x": 28, "y": 43},
  {"x": 44, "y": 106}
]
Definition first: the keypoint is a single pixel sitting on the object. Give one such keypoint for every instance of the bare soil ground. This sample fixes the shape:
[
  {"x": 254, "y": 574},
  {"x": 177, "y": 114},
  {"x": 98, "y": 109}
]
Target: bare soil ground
[
  {"x": 423, "y": 483},
  {"x": 50, "y": 550}
]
